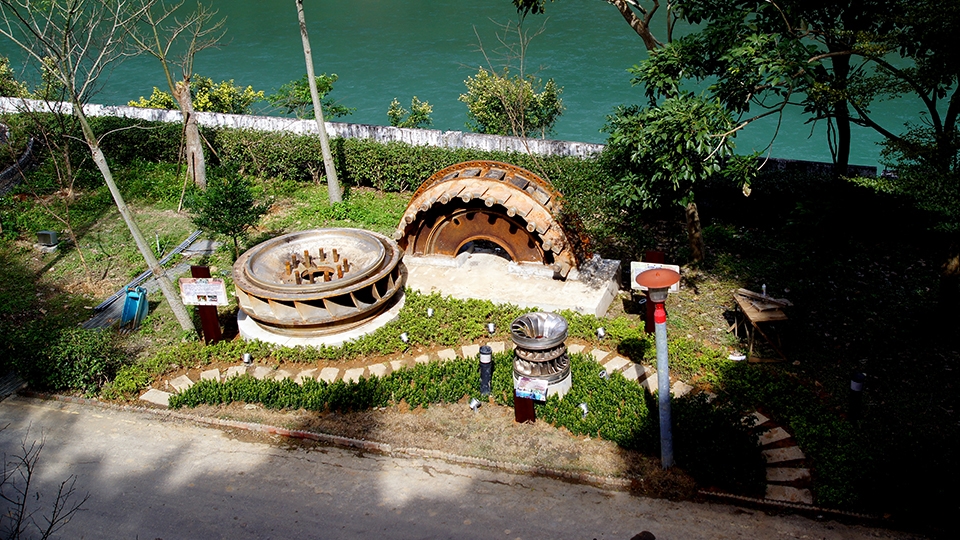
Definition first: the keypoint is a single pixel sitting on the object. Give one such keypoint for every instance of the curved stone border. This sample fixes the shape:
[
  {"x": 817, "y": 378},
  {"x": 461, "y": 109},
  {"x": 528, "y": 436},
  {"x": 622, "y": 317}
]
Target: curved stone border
[
  {"x": 782, "y": 504},
  {"x": 786, "y": 466},
  {"x": 788, "y": 478}
]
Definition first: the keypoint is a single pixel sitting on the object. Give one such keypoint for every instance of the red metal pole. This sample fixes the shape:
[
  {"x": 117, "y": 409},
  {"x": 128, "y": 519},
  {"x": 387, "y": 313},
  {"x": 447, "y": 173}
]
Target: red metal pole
[{"x": 523, "y": 411}]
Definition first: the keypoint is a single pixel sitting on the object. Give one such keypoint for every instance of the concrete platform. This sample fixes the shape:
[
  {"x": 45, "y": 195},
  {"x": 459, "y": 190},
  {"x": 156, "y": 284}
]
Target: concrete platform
[
  {"x": 487, "y": 276},
  {"x": 250, "y": 329}
]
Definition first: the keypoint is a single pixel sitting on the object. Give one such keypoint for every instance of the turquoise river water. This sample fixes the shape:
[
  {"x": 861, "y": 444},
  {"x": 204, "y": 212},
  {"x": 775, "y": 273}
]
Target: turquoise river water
[{"x": 382, "y": 49}]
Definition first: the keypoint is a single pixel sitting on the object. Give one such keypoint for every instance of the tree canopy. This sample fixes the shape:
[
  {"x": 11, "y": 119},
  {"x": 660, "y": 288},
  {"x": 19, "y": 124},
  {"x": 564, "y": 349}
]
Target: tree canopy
[
  {"x": 505, "y": 104},
  {"x": 294, "y": 97},
  {"x": 207, "y": 96}
]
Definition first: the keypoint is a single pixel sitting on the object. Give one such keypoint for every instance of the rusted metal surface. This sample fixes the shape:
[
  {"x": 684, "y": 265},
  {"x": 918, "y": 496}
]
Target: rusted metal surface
[
  {"x": 492, "y": 201},
  {"x": 317, "y": 281}
]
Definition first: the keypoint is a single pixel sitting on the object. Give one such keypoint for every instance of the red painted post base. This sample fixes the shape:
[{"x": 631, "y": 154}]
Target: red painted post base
[{"x": 523, "y": 410}]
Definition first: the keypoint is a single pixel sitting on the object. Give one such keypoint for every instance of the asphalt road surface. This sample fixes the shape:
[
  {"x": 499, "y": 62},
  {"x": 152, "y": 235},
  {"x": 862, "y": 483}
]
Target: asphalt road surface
[{"x": 153, "y": 478}]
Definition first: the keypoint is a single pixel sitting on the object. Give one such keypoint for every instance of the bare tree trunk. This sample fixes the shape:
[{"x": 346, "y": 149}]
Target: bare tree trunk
[
  {"x": 841, "y": 112},
  {"x": 694, "y": 234},
  {"x": 169, "y": 293},
  {"x": 333, "y": 184},
  {"x": 193, "y": 146}
]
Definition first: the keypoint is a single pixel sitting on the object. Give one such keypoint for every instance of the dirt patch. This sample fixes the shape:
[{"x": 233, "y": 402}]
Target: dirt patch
[{"x": 489, "y": 433}]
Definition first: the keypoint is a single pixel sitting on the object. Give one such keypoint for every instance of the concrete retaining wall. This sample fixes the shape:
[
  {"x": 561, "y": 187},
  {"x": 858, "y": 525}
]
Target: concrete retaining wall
[{"x": 417, "y": 137}]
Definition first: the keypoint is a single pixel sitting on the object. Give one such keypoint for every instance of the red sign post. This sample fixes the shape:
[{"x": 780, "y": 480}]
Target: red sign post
[{"x": 209, "y": 322}]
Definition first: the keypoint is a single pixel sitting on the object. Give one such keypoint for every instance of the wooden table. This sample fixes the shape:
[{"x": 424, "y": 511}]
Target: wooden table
[{"x": 756, "y": 311}]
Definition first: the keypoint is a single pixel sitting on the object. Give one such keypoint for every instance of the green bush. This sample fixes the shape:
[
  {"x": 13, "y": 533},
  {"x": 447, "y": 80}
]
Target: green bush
[
  {"x": 617, "y": 410},
  {"x": 294, "y": 98},
  {"x": 206, "y": 95},
  {"x": 77, "y": 359},
  {"x": 499, "y": 103},
  {"x": 227, "y": 207}
]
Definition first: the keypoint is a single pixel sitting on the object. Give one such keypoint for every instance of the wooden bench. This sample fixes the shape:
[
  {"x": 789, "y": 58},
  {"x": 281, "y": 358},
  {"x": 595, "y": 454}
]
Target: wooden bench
[{"x": 757, "y": 310}]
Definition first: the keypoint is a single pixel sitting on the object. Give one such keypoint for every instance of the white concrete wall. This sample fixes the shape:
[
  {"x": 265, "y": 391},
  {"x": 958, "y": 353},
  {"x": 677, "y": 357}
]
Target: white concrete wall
[{"x": 418, "y": 137}]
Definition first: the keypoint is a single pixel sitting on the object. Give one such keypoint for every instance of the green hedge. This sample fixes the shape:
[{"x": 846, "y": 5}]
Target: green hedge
[{"x": 393, "y": 166}]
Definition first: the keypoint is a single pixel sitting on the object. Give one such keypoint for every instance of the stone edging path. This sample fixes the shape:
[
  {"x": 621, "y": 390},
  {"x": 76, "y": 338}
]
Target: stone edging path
[{"x": 788, "y": 478}]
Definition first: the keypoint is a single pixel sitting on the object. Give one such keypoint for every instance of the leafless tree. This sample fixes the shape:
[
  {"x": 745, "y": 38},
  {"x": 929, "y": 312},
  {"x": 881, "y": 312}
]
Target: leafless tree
[
  {"x": 159, "y": 33},
  {"x": 22, "y": 517},
  {"x": 80, "y": 39}
]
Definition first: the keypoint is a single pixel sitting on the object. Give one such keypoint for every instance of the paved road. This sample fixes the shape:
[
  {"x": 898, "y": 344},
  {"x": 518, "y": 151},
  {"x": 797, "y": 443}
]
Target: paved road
[{"x": 152, "y": 478}]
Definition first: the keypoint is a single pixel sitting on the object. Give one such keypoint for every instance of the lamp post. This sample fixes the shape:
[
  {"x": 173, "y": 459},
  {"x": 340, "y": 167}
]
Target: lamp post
[{"x": 658, "y": 282}]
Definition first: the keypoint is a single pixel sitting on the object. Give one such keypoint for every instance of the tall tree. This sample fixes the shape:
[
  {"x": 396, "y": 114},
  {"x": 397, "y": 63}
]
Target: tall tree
[
  {"x": 830, "y": 57},
  {"x": 175, "y": 42},
  {"x": 333, "y": 185},
  {"x": 80, "y": 39},
  {"x": 634, "y": 156}
]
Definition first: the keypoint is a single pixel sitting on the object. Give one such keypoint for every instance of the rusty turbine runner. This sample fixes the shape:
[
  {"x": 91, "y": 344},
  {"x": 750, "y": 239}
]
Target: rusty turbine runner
[
  {"x": 319, "y": 281},
  {"x": 493, "y": 202}
]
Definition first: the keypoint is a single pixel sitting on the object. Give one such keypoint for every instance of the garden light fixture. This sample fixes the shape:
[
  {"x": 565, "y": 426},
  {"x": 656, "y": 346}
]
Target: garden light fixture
[
  {"x": 486, "y": 369},
  {"x": 247, "y": 359},
  {"x": 658, "y": 282}
]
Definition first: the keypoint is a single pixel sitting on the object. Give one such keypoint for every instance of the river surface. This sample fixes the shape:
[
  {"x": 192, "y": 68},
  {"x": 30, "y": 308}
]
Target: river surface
[{"x": 385, "y": 49}]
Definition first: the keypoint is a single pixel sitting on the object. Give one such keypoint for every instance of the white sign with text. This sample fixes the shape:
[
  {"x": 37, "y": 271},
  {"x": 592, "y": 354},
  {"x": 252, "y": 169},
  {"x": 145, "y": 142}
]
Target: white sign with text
[{"x": 203, "y": 292}]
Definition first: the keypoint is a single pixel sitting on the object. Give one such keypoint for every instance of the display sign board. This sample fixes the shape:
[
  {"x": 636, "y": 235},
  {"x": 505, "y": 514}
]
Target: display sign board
[
  {"x": 203, "y": 292},
  {"x": 531, "y": 388},
  {"x": 637, "y": 267}
]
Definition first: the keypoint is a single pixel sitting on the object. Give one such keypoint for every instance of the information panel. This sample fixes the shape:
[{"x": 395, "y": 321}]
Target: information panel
[
  {"x": 203, "y": 292},
  {"x": 531, "y": 388}
]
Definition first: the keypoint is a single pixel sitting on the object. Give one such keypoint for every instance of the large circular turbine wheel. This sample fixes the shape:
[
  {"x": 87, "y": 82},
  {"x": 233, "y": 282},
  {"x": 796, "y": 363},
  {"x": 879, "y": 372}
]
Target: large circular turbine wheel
[
  {"x": 490, "y": 201},
  {"x": 319, "y": 281}
]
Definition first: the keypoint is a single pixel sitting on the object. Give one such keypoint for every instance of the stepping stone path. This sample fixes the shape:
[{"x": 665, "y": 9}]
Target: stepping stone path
[{"x": 788, "y": 478}]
